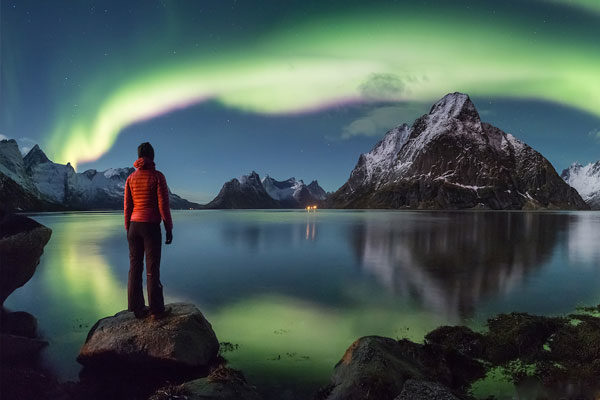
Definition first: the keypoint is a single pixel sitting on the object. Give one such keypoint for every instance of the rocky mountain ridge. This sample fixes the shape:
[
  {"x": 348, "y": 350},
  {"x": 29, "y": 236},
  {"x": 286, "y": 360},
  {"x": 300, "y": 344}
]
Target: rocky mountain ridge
[
  {"x": 251, "y": 192},
  {"x": 34, "y": 182},
  {"x": 450, "y": 159}
]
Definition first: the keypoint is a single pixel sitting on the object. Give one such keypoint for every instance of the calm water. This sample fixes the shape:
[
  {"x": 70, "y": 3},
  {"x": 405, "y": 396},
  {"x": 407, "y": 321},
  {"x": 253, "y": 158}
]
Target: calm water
[{"x": 293, "y": 289}]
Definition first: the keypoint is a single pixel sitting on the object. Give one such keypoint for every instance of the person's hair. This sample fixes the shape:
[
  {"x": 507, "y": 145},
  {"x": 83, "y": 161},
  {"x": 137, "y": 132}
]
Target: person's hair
[{"x": 146, "y": 150}]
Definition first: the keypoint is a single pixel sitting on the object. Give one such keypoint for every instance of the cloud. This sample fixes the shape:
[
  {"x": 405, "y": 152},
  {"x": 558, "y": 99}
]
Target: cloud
[
  {"x": 2, "y": 137},
  {"x": 595, "y": 133},
  {"x": 381, "y": 119},
  {"x": 382, "y": 87}
]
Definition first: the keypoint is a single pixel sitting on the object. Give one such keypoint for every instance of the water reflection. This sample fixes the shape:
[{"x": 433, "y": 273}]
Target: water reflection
[
  {"x": 260, "y": 235},
  {"x": 450, "y": 261},
  {"x": 584, "y": 239},
  {"x": 279, "y": 282},
  {"x": 311, "y": 227}
]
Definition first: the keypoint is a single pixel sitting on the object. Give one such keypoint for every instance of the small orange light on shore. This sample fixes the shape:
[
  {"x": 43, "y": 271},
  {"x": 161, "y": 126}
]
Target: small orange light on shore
[{"x": 309, "y": 208}]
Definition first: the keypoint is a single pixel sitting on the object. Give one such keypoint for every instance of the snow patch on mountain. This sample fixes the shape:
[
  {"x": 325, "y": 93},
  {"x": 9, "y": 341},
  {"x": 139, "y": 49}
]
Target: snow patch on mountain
[
  {"x": 381, "y": 158},
  {"x": 13, "y": 166},
  {"x": 293, "y": 190},
  {"x": 453, "y": 115},
  {"x": 282, "y": 190},
  {"x": 586, "y": 180}
]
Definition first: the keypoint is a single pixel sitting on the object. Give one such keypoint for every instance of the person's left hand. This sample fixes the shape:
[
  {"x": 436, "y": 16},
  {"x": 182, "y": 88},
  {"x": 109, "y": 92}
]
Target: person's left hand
[{"x": 169, "y": 237}]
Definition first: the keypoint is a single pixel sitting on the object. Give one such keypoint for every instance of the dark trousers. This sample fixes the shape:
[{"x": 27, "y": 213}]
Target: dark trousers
[{"x": 144, "y": 237}]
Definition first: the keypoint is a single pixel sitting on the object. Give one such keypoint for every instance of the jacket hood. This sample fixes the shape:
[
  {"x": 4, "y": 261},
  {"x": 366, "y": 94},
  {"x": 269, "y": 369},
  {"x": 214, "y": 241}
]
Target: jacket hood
[{"x": 144, "y": 163}]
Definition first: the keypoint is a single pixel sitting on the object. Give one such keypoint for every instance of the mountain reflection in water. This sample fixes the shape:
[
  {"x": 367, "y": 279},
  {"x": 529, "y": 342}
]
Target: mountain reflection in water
[{"x": 450, "y": 261}]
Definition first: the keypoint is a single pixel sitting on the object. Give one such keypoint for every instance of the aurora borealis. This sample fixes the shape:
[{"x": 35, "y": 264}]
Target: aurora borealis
[{"x": 105, "y": 67}]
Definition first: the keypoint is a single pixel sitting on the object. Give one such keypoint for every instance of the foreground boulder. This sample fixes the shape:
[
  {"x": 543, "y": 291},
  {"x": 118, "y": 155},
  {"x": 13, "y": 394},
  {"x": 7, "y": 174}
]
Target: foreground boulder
[
  {"x": 422, "y": 390},
  {"x": 19, "y": 342},
  {"x": 22, "y": 242},
  {"x": 19, "y": 349},
  {"x": 222, "y": 384},
  {"x": 19, "y": 382},
  {"x": 182, "y": 339},
  {"x": 379, "y": 368},
  {"x": 18, "y": 323}
]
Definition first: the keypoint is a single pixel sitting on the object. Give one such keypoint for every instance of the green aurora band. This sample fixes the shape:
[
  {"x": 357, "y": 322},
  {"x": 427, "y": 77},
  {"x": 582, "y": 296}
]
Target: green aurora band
[
  {"x": 588, "y": 5},
  {"x": 329, "y": 60}
]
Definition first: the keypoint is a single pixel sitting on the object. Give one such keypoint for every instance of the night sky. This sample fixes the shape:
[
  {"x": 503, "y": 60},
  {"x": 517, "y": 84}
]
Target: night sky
[{"x": 288, "y": 88}]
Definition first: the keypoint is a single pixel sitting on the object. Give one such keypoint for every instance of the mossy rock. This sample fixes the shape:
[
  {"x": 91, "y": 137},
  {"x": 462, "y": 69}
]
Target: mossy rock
[
  {"x": 462, "y": 339},
  {"x": 519, "y": 336}
]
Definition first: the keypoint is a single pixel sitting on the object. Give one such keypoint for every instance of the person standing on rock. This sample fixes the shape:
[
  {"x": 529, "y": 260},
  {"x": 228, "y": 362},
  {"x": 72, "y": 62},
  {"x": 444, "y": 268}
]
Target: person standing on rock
[{"x": 146, "y": 203}]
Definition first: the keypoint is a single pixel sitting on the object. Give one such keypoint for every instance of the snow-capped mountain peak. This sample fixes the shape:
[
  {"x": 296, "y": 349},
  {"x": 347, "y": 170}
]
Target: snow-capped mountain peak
[
  {"x": 252, "y": 179},
  {"x": 381, "y": 158},
  {"x": 60, "y": 185},
  {"x": 316, "y": 191},
  {"x": 12, "y": 165},
  {"x": 282, "y": 190},
  {"x": 455, "y": 105},
  {"x": 35, "y": 156},
  {"x": 450, "y": 159},
  {"x": 453, "y": 116},
  {"x": 586, "y": 180},
  {"x": 249, "y": 191},
  {"x": 11, "y": 161},
  {"x": 118, "y": 173}
]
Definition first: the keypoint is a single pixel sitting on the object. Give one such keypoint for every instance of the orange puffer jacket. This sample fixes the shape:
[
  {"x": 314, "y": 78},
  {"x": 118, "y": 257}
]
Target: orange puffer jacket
[{"x": 147, "y": 195}]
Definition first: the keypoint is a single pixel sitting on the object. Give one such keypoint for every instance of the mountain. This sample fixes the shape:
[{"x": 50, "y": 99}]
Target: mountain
[
  {"x": 37, "y": 183},
  {"x": 293, "y": 193},
  {"x": 13, "y": 167},
  {"x": 246, "y": 192},
  {"x": 17, "y": 189},
  {"x": 450, "y": 159},
  {"x": 586, "y": 180},
  {"x": 317, "y": 191},
  {"x": 249, "y": 191},
  {"x": 14, "y": 197}
]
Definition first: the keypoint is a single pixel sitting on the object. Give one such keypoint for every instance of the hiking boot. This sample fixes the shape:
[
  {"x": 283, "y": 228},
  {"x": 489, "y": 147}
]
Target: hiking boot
[
  {"x": 161, "y": 315},
  {"x": 142, "y": 313}
]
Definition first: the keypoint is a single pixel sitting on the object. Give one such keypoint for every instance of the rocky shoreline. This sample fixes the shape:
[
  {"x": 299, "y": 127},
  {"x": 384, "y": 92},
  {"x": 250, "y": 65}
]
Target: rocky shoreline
[
  {"x": 563, "y": 353},
  {"x": 22, "y": 242},
  {"x": 179, "y": 356}
]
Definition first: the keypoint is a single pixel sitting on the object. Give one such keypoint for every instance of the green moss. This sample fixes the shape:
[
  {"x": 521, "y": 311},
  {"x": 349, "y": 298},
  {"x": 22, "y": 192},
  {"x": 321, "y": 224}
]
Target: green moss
[
  {"x": 556, "y": 351},
  {"x": 494, "y": 385},
  {"x": 517, "y": 370}
]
